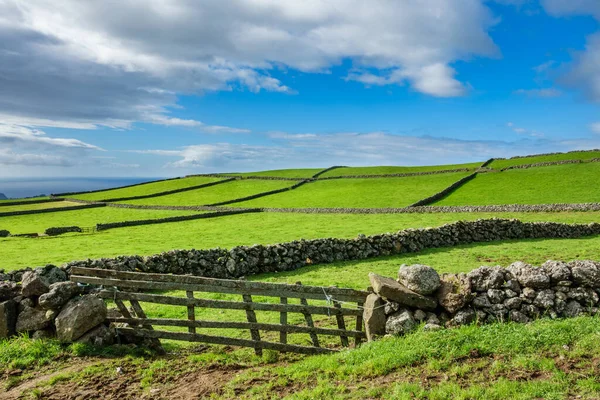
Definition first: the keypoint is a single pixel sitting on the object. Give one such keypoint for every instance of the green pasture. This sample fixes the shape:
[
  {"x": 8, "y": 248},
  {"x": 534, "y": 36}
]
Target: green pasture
[
  {"x": 282, "y": 173},
  {"x": 38, "y": 223},
  {"x": 147, "y": 188},
  {"x": 215, "y": 194},
  {"x": 365, "y": 193},
  {"x": 571, "y": 183},
  {"x": 229, "y": 231},
  {"x": 587, "y": 155},
  {"x": 396, "y": 169},
  {"x": 38, "y": 206}
]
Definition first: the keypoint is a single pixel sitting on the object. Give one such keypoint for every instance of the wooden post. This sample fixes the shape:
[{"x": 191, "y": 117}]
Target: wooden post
[
  {"x": 191, "y": 311},
  {"x": 359, "y": 325},
  {"x": 251, "y": 315},
  {"x": 283, "y": 321},
  {"x": 309, "y": 321},
  {"x": 341, "y": 324},
  {"x": 139, "y": 312}
]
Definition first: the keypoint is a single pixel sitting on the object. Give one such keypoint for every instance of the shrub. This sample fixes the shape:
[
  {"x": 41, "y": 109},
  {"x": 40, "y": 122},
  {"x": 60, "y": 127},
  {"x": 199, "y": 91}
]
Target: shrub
[
  {"x": 61, "y": 230},
  {"x": 4, "y": 233}
]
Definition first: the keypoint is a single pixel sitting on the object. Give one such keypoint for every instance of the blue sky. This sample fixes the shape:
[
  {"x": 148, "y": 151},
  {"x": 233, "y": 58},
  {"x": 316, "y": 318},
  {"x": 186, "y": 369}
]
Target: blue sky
[{"x": 161, "y": 88}]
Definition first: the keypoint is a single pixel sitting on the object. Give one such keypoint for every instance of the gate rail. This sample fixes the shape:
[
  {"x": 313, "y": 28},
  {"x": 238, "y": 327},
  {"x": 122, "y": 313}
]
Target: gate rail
[{"x": 140, "y": 325}]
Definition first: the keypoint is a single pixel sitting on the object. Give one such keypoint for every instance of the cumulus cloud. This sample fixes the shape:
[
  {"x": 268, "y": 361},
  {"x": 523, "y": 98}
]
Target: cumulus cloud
[
  {"x": 523, "y": 131},
  {"x": 68, "y": 62},
  {"x": 572, "y": 7}
]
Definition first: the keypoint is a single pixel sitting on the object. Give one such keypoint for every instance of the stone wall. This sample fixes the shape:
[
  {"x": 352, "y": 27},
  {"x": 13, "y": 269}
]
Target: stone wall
[
  {"x": 50, "y": 210},
  {"x": 248, "y": 260},
  {"x": 550, "y": 163},
  {"x": 398, "y": 175},
  {"x": 547, "y": 154},
  {"x": 518, "y": 293},
  {"x": 112, "y": 188},
  {"x": 440, "y": 195},
  {"x": 25, "y": 202},
  {"x": 62, "y": 229}
]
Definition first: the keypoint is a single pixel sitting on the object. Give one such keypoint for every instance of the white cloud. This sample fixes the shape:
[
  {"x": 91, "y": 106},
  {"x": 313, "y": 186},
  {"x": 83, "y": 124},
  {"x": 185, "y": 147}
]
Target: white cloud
[
  {"x": 87, "y": 63},
  {"x": 548, "y": 92},
  {"x": 561, "y": 8},
  {"x": 595, "y": 127},
  {"x": 523, "y": 131},
  {"x": 159, "y": 119}
]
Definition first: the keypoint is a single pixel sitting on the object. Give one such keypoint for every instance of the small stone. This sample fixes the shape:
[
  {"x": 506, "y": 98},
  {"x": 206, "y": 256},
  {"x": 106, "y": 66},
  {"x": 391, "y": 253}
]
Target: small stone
[
  {"x": 573, "y": 309},
  {"x": 557, "y": 270},
  {"x": 374, "y": 316},
  {"x": 529, "y": 276},
  {"x": 9, "y": 290},
  {"x": 32, "y": 319},
  {"x": 513, "y": 284},
  {"x": 60, "y": 293},
  {"x": 463, "y": 317},
  {"x": 530, "y": 310},
  {"x": 484, "y": 278},
  {"x": 517, "y": 316},
  {"x": 510, "y": 293},
  {"x": 481, "y": 316},
  {"x": 420, "y": 315},
  {"x": 99, "y": 336},
  {"x": 544, "y": 299},
  {"x": 34, "y": 284},
  {"x": 391, "y": 307},
  {"x": 419, "y": 278},
  {"x": 454, "y": 292},
  {"x": 496, "y": 296},
  {"x": 43, "y": 334},
  {"x": 586, "y": 273},
  {"x": 433, "y": 319},
  {"x": 432, "y": 327},
  {"x": 8, "y": 318},
  {"x": 583, "y": 295},
  {"x": 529, "y": 293},
  {"x": 514, "y": 303},
  {"x": 481, "y": 301},
  {"x": 401, "y": 322}
]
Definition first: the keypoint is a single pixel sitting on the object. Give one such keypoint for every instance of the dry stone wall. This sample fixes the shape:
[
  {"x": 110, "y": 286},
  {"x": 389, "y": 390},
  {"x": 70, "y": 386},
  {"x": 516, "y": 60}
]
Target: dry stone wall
[
  {"x": 440, "y": 195},
  {"x": 50, "y": 210},
  {"x": 519, "y": 293}
]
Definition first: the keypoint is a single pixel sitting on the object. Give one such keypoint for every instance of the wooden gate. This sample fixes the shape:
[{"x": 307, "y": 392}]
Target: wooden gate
[{"x": 335, "y": 302}]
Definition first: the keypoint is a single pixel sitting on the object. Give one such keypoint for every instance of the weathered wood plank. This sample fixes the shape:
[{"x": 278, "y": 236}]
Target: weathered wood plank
[
  {"x": 283, "y": 321},
  {"x": 196, "y": 337},
  {"x": 241, "y": 325},
  {"x": 224, "y": 304},
  {"x": 309, "y": 320},
  {"x": 251, "y": 316},
  {"x": 140, "y": 313},
  {"x": 122, "y": 308},
  {"x": 191, "y": 312},
  {"x": 341, "y": 325},
  {"x": 216, "y": 285},
  {"x": 359, "y": 326}
]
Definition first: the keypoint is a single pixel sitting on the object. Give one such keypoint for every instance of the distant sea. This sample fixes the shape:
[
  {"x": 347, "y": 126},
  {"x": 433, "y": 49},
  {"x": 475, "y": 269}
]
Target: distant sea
[{"x": 29, "y": 187}]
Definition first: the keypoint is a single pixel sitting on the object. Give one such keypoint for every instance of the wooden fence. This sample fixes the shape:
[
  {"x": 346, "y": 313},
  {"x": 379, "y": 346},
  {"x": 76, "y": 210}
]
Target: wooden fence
[{"x": 340, "y": 303}]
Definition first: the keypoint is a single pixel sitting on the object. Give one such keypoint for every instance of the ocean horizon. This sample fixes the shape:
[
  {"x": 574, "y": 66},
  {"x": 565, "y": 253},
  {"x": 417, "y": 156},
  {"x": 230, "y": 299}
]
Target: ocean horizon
[{"x": 31, "y": 187}]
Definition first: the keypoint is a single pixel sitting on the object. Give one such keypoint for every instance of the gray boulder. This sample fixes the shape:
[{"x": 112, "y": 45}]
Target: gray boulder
[
  {"x": 529, "y": 276},
  {"x": 99, "y": 336},
  {"x": 374, "y": 316},
  {"x": 557, "y": 270},
  {"x": 8, "y": 318},
  {"x": 517, "y": 316},
  {"x": 463, "y": 317},
  {"x": 496, "y": 296},
  {"x": 33, "y": 319},
  {"x": 544, "y": 299},
  {"x": 34, "y": 284},
  {"x": 79, "y": 316},
  {"x": 400, "y": 322},
  {"x": 60, "y": 293},
  {"x": 454, "y": 292},
  {"x": 9, "y": 290},
  {"x": 393, "y": 291},
  {"x": 419, "y": 278},
  {"x": 573, "y": 309},
  {"x": 586, "y": 273},
  {"x": 432, "y": 327},
  {"x": 484, "y": 278}
]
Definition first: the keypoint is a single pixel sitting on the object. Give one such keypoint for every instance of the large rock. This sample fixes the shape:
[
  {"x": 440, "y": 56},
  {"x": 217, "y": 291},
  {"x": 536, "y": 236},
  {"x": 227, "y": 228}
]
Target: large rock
[
  {"x": 78, "y": 316},
  {"x": 400, "y": 322},
  {"x": 529, "y": 276},
  {"x": 374, "y": 316},
  {"x": 34, "y": 284},
  {"x": 33, "y": 319},
  {"x": 393, "y": 291},
  {"x": 557, "y": 270},
  {"x": 60, "y": 293},
  {"x": 484, "y": 278},
  {"x": 586, "y": 273},
  {"x": 454, "y": 292},
  {"x": 99, "y": 336},
  {"x": 419, "y": 278},
  {"x": 9, "y": 290},
  {"x": 463, "y": 317},
  {"x": 8, "y": 318}
]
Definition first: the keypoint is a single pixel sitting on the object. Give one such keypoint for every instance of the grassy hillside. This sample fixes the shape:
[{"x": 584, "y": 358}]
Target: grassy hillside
[
  {"x": 83, "y": 218},
  {"x": 572, "y": 183},
  {"x": 27, "y": 199},
  {"x": 587, "y": 155},
  {"x": 367, "y": 193},
  {"x": 38, "y": 206},
  {"x": 396, "y": 169},
  {"x": 283, "y": 173},
  {"x": 145, "y": 189},
  {"x": 215, "y": 194},
  {"x": 235, "y": 230}
]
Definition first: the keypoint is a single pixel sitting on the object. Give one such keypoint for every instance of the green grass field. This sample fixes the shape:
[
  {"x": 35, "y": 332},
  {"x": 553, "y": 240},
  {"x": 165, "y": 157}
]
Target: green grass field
[
  {"x": 367, "y": 193},
  {"x": 572, "y": 183},
  {"x": 145, "y": 189},
  {"x": 24, "y": 199},
  {"x": 246, "y": 229},
  {"x": 283, "y": 173},
  {"x": 215, "y": 194},
  {"x": 396, "y": 170},
  {"x": 588, "y": 155},
  {"x": 38, "y": 206},
  {"x": 37, "y": 223}
]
